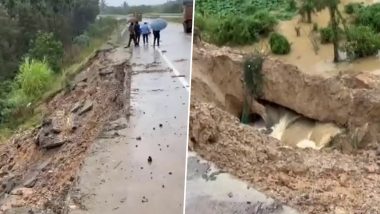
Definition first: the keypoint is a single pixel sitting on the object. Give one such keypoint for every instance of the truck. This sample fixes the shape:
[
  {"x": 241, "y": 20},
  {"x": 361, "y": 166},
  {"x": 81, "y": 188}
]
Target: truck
[{"x": 188, "y": 16}]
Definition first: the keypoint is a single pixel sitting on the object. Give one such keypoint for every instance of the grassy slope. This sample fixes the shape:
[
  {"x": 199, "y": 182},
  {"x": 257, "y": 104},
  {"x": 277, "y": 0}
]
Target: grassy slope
[{"x": 69, "y": 71}]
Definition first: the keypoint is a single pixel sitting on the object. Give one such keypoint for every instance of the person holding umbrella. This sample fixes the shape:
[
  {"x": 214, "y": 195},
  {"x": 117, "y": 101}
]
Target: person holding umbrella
[
  {"x": 137, "y": 33},
  {"x": 132, "y": 35},
  {"x": 156, "y": 37},
  {"x": 157, "y": 25},
  {"x": 145, "y": 30}
]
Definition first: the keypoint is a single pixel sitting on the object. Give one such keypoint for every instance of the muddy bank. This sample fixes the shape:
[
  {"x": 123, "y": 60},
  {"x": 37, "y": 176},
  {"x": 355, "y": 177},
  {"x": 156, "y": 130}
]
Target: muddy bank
[
  {"x": 325, "y": 181},
  {"x": 348, "y": 100},
  {"x": 39, "y": 166}
]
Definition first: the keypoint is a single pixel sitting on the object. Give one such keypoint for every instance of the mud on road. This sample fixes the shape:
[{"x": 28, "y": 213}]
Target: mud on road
[{"x": 39, "y": 166}]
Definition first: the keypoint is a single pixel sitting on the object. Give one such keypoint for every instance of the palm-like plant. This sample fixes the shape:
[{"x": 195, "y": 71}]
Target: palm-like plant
[
  {"x": 332, "y": 6},
  {"x": 307, "y": 8}
]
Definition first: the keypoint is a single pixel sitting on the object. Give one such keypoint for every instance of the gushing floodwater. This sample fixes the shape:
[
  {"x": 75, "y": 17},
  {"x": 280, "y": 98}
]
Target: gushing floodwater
[{"x": 297, "y": 131}]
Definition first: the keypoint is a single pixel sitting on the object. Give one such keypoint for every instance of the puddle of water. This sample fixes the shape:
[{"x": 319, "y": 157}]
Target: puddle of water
[
  {"x": 222, "y": 193},
  {"x": 316, "y": 59}
]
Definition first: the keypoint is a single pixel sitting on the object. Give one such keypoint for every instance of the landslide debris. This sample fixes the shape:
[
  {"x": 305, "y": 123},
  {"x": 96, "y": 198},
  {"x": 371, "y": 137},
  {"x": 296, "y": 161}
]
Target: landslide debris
[
  {"x": 311, "y": 181},
  {"x": 39, "y": 166}
]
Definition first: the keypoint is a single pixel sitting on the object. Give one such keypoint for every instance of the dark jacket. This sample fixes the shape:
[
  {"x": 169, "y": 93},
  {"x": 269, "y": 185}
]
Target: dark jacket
[{"x": 137, "y": 29}]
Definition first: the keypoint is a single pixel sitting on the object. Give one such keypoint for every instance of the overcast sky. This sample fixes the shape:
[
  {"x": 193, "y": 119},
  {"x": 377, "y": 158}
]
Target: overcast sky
[{"x": 134, "y": 2}]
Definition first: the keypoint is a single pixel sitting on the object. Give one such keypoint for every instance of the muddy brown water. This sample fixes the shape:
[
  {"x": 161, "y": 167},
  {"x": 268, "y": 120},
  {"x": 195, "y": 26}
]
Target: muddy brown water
[
  {"x": 312, "y": 57},
  {"x": 297, "y": 131}
]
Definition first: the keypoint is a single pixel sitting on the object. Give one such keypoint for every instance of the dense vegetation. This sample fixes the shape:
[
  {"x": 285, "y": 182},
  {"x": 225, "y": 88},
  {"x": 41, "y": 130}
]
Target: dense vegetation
[
  {"x": 362, "y": 41},
  {"x": 39, "y": 41},
  {"x": 240, "y": 22},
  {"x": 174, "y": 6},
  {"x": 279, "y": 44}
]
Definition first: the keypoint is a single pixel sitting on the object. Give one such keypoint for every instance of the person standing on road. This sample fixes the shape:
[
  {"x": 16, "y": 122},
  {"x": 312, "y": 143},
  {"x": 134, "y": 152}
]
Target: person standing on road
[
  {"x": 137, "y": 33},
  {"x": 145, "y": 32},
  {"x": 132, "y": 35},
  {"x": 156, "y": 35}
]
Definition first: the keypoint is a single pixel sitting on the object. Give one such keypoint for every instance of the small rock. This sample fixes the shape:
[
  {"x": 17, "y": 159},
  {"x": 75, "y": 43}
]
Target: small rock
[
  {"x": 31, "y": 181},
  {"x": 54, "y": 144},
  {"x": 22, "y": 191},
  {"x": 76, "y": 107},
  {"x": 105, "y": 72},
  {"x": 150, "y": 160},
  {"x": 161, "y": 125},
  {"x": 163, "y": 186},
  {"x": 56, "y": 126},
  {"x": 144, "y": 200},
  {"x": 86, "y": 107},
  {"x": 123, "y": 200},
  {"x": 8, "y": 186},
  {"x": 138, "y": 138},
  {"x": 230, "y": 195},
  {"x": 170, "y": 173}
]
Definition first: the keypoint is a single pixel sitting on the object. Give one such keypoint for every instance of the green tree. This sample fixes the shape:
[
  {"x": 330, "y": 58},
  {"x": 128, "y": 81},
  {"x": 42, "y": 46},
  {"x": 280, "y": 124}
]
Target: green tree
[
  {"x": 332, "y": 6},
  {"x": 46, "y": 47},
  {"x": 307, "y": 8}
]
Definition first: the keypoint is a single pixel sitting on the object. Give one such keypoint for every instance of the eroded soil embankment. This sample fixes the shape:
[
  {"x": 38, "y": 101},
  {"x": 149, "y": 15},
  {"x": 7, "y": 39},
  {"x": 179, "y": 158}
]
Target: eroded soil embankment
[
  {"x": 348, "y": 100},
  {"x": 325, "y": 181},
  {"x": 311, "y": 181},
  {"x": 38, "y": 167}
]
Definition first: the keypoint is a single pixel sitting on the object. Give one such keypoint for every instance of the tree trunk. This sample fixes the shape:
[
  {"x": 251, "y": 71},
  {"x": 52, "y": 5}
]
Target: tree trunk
[
  {"x": 334, "y": 25},
  {"x": 308, "y": 16}
]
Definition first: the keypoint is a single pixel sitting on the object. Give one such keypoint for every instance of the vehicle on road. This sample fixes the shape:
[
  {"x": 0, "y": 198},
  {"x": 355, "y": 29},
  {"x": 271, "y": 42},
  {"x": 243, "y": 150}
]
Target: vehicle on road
[{"x": 188, "y": 16}]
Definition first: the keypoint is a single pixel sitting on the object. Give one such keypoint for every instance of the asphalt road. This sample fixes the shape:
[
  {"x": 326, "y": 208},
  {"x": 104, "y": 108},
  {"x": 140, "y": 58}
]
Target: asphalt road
[{"x": 117, "y": 176}]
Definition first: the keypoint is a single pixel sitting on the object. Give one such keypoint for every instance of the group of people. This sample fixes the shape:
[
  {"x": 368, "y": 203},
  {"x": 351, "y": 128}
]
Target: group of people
[{"x": 135, "y": 32}]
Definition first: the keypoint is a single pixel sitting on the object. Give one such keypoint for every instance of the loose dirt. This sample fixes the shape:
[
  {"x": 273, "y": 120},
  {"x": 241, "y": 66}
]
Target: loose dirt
[
  {"x": 38, "y": 167},
  {"x": 311, "y": 181},
  {"x": 324, "y": 181}
]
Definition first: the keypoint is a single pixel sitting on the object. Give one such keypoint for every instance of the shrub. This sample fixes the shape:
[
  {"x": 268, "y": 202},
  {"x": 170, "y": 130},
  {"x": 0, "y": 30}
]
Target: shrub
[
  {"x": 200, "y": 22},
  {"x": 352, "y": 7},
  {"x": 82, "y": 40},
  {"x": 315, "y": 27},
  {"x": 102, "y": 27},
  {"x": 239, "y": 30},
  {"x": 327, "y": 35},
  {"x": 362, "y": 41},
  {"x": 263, "y": 21},
  {"x": 33, "y": 78},
  {"x": 292, "y": 5},
  {"x": 233, "y": 30},
  {"x": 45, "y": 47},
  {"x": 279, "y": 44},
  {"x": 369, "y": 16}
]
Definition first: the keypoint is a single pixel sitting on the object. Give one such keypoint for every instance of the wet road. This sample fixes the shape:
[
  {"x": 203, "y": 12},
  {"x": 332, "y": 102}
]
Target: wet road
[
  {"x": 117, "y": 176},
  {"x": 210, "y": 191},
  {"x": 175, "y": 46}
]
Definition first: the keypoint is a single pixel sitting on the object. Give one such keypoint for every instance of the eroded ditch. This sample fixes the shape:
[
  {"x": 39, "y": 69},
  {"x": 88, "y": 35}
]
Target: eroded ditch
[{"x": 306, "y": 111}]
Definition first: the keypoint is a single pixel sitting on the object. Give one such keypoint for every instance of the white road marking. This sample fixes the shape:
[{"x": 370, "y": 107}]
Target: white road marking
[{"x": 176, "y": 72}]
